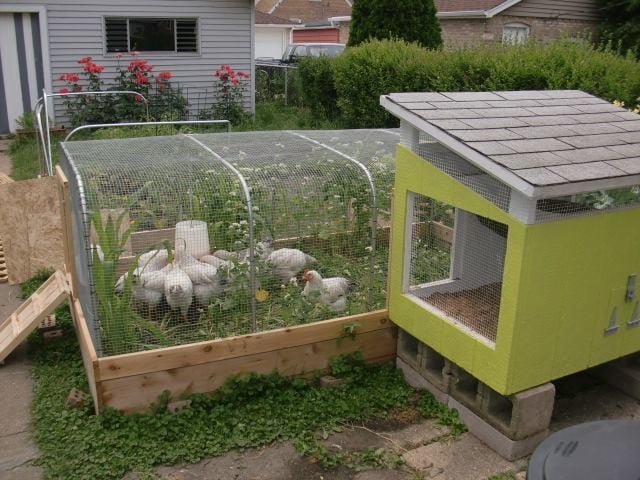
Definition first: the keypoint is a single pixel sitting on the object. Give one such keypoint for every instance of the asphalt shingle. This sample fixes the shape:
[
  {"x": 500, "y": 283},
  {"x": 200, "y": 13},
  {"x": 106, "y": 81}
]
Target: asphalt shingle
[{"x": 544, "y": 137}]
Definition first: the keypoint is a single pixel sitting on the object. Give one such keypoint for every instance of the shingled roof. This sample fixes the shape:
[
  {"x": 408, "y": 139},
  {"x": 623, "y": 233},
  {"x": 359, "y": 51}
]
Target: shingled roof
[
  {"x": 485, "y": 8},
  {"x": 539, "y": 142}
]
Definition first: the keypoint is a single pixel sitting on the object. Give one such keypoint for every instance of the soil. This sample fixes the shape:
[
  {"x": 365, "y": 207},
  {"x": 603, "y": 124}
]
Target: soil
[{"x": 477, "y": 308}]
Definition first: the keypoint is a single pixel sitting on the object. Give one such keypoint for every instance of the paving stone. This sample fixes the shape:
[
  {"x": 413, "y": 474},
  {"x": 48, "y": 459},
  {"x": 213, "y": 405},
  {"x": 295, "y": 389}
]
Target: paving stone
[
  {"x": 537, "y": 145},
  {"x": 627, "y": 165},
  {"x": 416, "y": 435},
  {"x": 380, "y": 475},
  {"x": 464, "y": 459},
  {"x": 586, "y": 141},
  {"x": 418, "y": 97},
  {"x": 17, "y": 449},
  {"x": 586, "y": 171},
  {"x": 540, "y": 176},
  {"x": 529, "y": 160},
  {"x": 583, "y": 155},
  {"x": 472, "y": 96}
]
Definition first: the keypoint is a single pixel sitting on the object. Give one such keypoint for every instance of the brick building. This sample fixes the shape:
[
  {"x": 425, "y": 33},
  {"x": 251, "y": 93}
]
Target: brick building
[{"x": 513, "y": 21}]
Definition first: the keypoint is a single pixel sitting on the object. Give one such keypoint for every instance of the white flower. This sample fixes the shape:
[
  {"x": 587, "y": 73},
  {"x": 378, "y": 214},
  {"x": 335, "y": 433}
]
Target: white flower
[{"x": 369, "y": 248}]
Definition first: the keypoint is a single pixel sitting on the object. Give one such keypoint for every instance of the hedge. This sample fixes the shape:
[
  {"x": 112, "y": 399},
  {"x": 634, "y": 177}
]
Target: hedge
[{"x": 355, "y": 80}]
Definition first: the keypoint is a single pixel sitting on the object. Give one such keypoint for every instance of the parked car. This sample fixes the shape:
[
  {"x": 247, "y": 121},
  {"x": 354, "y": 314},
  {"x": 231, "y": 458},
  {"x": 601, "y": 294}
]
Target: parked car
[{"x": 296, "y": 50}]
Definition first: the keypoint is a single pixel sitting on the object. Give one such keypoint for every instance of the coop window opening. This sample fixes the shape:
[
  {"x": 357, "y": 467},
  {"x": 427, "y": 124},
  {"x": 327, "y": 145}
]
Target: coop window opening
[
  {"x": 455, "y": 263},
  {"x": 252, "y": 194},
  {"x": 587, "y": 203}
]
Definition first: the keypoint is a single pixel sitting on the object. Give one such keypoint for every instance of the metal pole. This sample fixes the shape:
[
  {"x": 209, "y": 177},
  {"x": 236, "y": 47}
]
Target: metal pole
[
  {"x": 286, "y": 85},
  {"x": 252, "y": 260},
  {"x": 374, "y": 207}
]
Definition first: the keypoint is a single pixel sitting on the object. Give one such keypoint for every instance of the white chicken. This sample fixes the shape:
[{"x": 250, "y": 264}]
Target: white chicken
[
  {"x": 263, "y": 250},
  {"x": 178, "y": 290},
  {"x": 153, "y": 260},
  {"x": 215, "y": 261},
  {"x": 286, "y": 263},
  {"x": 328, "y": 291},
  {"x": 148, "y": 288}
]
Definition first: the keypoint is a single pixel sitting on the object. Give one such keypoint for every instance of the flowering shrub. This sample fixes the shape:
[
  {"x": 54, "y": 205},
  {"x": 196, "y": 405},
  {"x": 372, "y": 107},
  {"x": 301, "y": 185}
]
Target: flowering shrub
[
  {"x": 230, "y": 86},
  {"x": 165, "y": 100}
]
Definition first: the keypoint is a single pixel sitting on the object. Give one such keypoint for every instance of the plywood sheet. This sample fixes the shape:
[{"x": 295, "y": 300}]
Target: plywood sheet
[{"x": 30, "y": 227}]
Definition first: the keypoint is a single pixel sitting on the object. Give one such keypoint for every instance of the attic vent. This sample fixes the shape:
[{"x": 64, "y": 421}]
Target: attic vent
[
  {"x": 187, "y": 35},
  {"x": 116, "y": 30},
  {"x": 151, "y": 34}
]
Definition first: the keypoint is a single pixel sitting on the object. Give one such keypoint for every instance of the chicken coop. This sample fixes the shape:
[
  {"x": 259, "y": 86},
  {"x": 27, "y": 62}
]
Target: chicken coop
[
  {"x": 516, "y": 234},
  {"x": 198, "y": 256}
]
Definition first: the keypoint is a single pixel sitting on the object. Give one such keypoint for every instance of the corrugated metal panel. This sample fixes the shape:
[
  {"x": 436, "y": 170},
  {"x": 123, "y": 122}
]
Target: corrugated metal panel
[
  {"x": 225, "y": 32},
  {"x": 316, "y": 35},
  {"x": 567, "y": 10}
]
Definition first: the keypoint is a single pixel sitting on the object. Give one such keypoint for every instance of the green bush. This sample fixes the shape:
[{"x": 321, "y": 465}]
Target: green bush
[
  {"x": 379, "y": 67},
  {"x": 319, "y": 92}
]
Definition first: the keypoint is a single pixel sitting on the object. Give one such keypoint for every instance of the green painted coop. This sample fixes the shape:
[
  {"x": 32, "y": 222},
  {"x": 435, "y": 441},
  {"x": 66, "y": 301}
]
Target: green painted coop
[{"x": 516, "y": 232}]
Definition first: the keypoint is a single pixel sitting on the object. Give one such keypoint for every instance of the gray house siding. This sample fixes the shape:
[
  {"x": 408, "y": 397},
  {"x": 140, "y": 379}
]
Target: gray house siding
[
  {"x": 225, "y": 36},
  {"x": 566, "y": 10}
]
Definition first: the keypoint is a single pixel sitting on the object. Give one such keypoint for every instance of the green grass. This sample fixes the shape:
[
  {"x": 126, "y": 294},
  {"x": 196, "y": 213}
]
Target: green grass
[{"x": 24, "y": 153}]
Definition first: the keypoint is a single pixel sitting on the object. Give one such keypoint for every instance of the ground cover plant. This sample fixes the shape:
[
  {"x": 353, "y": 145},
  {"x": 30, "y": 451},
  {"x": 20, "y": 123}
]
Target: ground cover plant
[{"x": 246, "y": 412}]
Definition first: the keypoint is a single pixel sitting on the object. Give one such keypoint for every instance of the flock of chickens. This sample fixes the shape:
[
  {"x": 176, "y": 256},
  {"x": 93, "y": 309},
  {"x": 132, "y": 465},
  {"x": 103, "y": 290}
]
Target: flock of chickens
[{"x": 181, "y": 279}]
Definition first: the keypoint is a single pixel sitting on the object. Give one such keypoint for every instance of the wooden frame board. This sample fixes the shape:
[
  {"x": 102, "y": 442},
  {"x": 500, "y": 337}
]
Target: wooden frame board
[{"x": 131, "y": 382}]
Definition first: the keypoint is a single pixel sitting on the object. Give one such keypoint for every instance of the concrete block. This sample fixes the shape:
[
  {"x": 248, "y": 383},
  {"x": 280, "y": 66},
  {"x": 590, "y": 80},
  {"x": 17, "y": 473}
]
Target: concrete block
[
  {"x": 496, "y": 440},
  {"x": 416, "y": 380},
  {"x": 408, "y": 349},
  {"x": 328, "y": 381},
  {"x": 52, "y": 335},
  {"x": 622, "y": 374},
  {"x": 175, "y": 407},
  {"x": 465, "y": 387},
  {"x": 76, "y": 398}
]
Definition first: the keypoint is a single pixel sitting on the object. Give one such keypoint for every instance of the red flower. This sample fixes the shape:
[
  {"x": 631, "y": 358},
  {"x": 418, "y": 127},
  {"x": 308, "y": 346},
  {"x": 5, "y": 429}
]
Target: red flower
[
  {"x": 93, "y": 68},
  {"x": 62, "y": 77},
  {"x": 234, "y": 80},
  {"x": 85, "y": 59},
  {"x": 73, "y": 78},
  {"x": 141, "y": 78},
  {"x": 64, "y": 90},
  {"x": 164, "y": 75},
  {"x": 77, "y": 88},
  {"x": 243, "y": 74},
  {"x": 134, "y": 53}
]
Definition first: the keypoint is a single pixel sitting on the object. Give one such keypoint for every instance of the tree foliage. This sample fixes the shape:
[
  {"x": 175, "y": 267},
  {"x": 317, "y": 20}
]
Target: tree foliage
[
  {"x": 409, "y": 20},
  {"x": 620, "y": 24}
]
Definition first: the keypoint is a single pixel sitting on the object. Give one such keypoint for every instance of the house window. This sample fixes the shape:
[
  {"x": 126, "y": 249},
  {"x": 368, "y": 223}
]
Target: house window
[
  {"x": 151, "y": 34},
  {"x": 515, "y": 33}
]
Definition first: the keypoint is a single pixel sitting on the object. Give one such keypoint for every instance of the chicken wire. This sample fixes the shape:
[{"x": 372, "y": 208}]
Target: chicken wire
[
  {"x": 587, "y": 203},
  {"x": 463, "y": 171},
  {"x": 456, "y": 263},
  {"x": 192, "y": 237}
]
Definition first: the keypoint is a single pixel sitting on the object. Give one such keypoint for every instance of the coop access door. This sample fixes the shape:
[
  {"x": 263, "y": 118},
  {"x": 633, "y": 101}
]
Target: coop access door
[{"x": 455, "y": 264}]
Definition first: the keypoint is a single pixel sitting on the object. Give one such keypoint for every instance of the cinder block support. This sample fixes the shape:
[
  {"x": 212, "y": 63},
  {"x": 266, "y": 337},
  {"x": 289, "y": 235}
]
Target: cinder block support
[
  {"x": 505, "y": 447},
  {"x": 416, "y": 380},
  {"x": 428, "y": 363},
  {"x": 622, "y": 374}
]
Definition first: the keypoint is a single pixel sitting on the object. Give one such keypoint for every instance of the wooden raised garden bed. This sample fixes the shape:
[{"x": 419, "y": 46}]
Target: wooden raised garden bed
[{"x": 131, "y": 382}]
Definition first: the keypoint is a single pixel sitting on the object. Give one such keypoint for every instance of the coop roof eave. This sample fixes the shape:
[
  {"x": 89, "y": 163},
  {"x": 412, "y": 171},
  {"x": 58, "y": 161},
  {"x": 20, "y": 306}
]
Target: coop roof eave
[{"x": 504, "y": 174}]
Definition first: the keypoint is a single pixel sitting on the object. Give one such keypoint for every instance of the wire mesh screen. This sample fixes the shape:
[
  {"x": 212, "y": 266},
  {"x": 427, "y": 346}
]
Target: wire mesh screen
[
  {"x": 194, "y": 237},
  {"x": 456, "y": 264},
  {"x": 587, "y": 203},
  {"x": 463, "y": 171}
]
